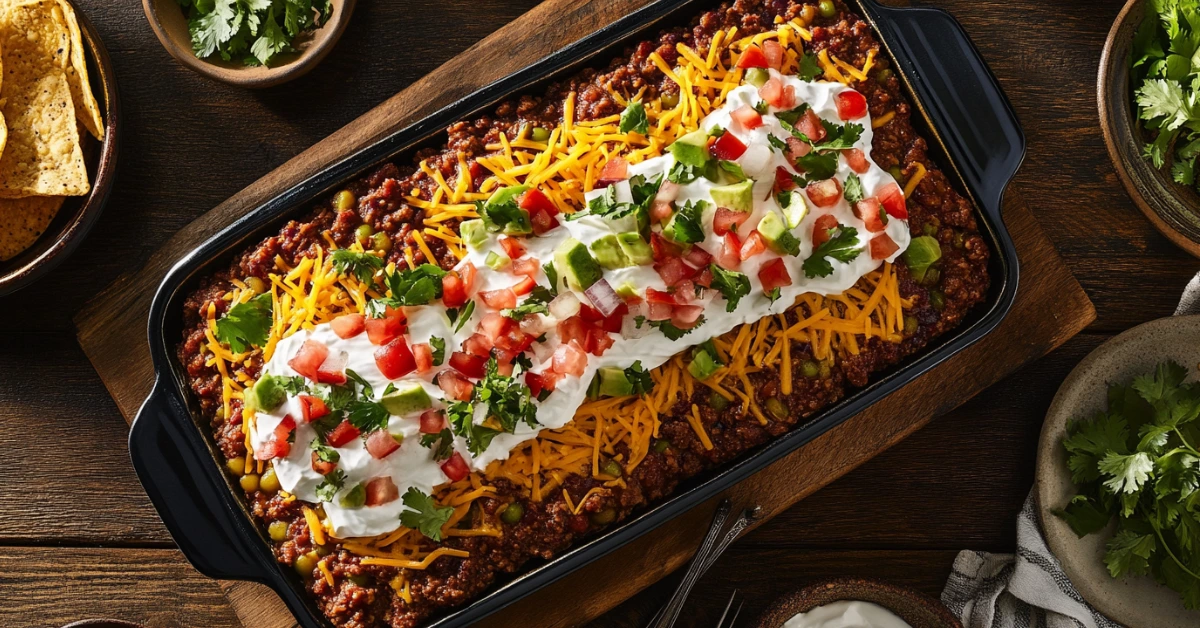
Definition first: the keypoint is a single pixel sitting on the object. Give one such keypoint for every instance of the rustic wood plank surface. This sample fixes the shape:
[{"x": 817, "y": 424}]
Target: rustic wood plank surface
[{"x": 71, "y": 511}]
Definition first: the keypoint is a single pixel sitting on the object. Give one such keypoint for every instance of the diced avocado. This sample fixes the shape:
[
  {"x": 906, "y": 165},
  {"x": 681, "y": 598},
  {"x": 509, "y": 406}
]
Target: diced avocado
[
  {"x": 794, "y": 207},
  {"x": 635, "y": 248},
  {"x": 497, "y": 261},
  {"x": 407, "y": 399},
  {"x": 473, "y": 232},
  {"x": 773, "y": 230},
  {"x": 921, "y": 254},
  {"x": 757, "y": 76},
  {"x": 504, "y": 195},
  {"x": 607, "y": 252},
  {"x": 691, "y": 149},
  {"x": 576, "y": 264},
  {"x": 355, "y": 497},
  {"x": 627, "y": 291},
  {"x": 703, "y": 365},
  {"x": 266, "y": 395},
  {"x": 614, "y": 382},
  {"x": 500, "y": 212},
  {"x": 737, "y": 196}
]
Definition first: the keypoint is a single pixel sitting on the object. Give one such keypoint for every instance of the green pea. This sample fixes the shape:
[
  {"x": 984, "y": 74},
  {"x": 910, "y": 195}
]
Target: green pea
[
  {"x": 883, "y": 74},
  {"x": 269, "y": 483},
  {"x": 911, "y": 324},
  {"x": 257, "y": 285},
  {"x": 810, "y": 368},
  {"x": 324, "y": 550},
  {"x": 931, "y": 278},
  {"x": 808, "y": 14},
  {"x": 662, "y": 445},
  {"x": 278, "y": 531},
  {"x": 612, "y": 467},
  {"x": 363, "y": 234},
  {"x": 896, "y": 173},
  {"x": 827, "y": 8},
  {"x": 604, "y": 517},
  {"x": 826, "y": 369},
  {"x": 757, "y": 76},
  {"x": 669, "y": 100},
  {"x": 361, "y": 580},
  {"x": 249, "y": 482},
  {"x": 959, "y": 240},
  {"x": 538, "y": 134},
  {"x": 930, "y": 228},
  {"x": 776, "y": 409},
  {"x": 937, "y": 299},
  {"x": 512, "y": 513},
  {"x": 382, "y": 243},
  {"x": 236, "y": 466},
  {"x": 219, "y": 413},
  {"x": 306, "y": 563},
  {"x": 717, "y": 402},
  {"x": 344, "y": 200}
]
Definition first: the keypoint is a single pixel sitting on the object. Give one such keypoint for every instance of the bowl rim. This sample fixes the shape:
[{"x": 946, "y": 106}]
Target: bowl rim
[
  {"x": 72, "y": 235},
  {"x": 1107, "y": 116},
  {"x": 928, "y": 602},
  {"x": 252, "y": 77}
]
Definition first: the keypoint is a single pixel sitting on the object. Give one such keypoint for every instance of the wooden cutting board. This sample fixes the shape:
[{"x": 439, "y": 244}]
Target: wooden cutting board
[{"x": 1051, "y": 307}]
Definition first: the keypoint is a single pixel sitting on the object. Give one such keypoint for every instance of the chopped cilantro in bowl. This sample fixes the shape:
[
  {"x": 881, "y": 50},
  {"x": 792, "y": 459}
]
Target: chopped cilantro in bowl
[{"x": 253, "y": 32}]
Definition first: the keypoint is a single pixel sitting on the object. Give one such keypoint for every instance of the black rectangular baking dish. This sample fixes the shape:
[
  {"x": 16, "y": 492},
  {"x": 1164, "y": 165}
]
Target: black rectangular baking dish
[{"x": 973, "y": 134}]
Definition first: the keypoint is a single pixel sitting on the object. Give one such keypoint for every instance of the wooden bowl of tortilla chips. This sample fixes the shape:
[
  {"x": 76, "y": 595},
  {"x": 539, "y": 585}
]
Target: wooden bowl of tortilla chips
[{"x": 58, "y": 137}]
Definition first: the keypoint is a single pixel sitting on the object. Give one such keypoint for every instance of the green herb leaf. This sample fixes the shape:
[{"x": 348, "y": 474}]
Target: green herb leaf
[
  {"x": 438, "y": 345},
  {"x": 672, "y": 332},
  {"x": 809, "y": 68},
  {"x": 246, "y": 324},
  {"x": 854, "y": 189},
  {"x": 332, "y": 483},
  {"x": 731, "y": 284},
  {"x": 634, "y": 118},
  {"x": 842, "y": 246},
  {"x": 640, "y": 378},
  {"x": 687, "y": 224},
  {"x": 441, "y": 443},
  {"x": 423, "y": 514},
  {"x": 325, "y": 453},
  {"x": 361, "y": 265}
]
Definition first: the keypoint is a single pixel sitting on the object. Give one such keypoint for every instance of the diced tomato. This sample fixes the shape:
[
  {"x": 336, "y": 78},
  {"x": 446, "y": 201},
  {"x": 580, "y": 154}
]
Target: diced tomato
[
  {"x": 613, "y": 322},
  {"x": 774, "y": 53},
  {"x": 797, "y": 148},
  {"x": 454, "y": 292},
  {"x": 685, "y": 292},
  {"x": 658, "y": 296},
  {"x": 825, "y": 193},
  {"x": 312, "y": 408},
  {"x": 433, "y": 421},
  {"x": 470, "y": 365},
  {"x": 753, "y": 57},
  {"x": 727, "y": 220},
  {"x": 524, "y": 287},
  {"x": 467, "y": 272},
  {"x": 753, "y": 245},
  {"x": 380, "y": 444},
  {"x": 542, "y": 221},
  {"x": 598, "y": 341},
  {"x": 381, "y": 331},
  {"x": 478, "y": 344},
  {"x": 730, "y": 256},
  {"x": 774, "y": 274},
  {"x": 704, "y": 278},
  {"x": 285, "y": 428},
  {"x": 697, "y": 257},
  {"x": 747, "y": 117},
  {"x": 322, "y": 467},
  {"x": 821, "y": 229},
  {"x": 333, "y": 370},
  {"x": 851, "y": 105},
  {"x": 348, "y": 325},
  {"x": 493, "y": 326},
  {"x": 772, "y": 92},
  {"x": 533, "y": 200},
  {"x": 309, "y": 358},
  {"x": 455, "y": 385},
  {"x": 882, "y": 246},
  {"x": 589, "y": 314},
  {"x": 512, "y": 247},
  {"x": 395, "y": 359},
  {"x": 892, "y": 198},
  {"x": 515, "y": 341},
  {"x": 342, "y": 434},
  {"x": 537, "y": 382},
  {"x": 569, "y": 359},
  {"x": 728, "y": 147},
  {"x": 504, "y": 368},
  {"x": 616, "y": 169},
  {"x": 783, "y": 180},
  {"x": 499, "y": 299},
  {"x": 381, "y": 490},
  {"x": 857, "y": 160},
  {"x": 423, "y": 355},
  {"x": 663, "y": 248},
  {"x": 674, "y": 271},
  {"x": 660, "y": 211},
  {"x": 526, "y": 266},
  {"x": 789, "y": 97},
  {"x": 656, "y": 311},
  {"x": 456, "y": 468},
  {"x": 667, "y": 191},
  {"x": 810, "y": 125},
  {"x": 273, "y": 449},
  {"x": 686, "y": 316},
  {"x": 870, "y": 211}
]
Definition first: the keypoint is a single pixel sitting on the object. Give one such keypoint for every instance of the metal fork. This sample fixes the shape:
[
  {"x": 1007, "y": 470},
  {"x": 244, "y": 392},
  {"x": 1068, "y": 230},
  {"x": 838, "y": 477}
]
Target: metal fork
[
  {"x": 708, "y": 553},
  {"x": 725, "y": 613}
]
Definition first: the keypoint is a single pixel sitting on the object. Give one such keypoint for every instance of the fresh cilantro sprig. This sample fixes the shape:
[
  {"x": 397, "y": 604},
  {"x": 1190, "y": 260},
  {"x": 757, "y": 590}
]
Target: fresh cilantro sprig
[
  {"x": 253, "y": 32},
  {"x": 842, "y": 246},
  {"x": 687, "y": 226},
  {"x": 731, "y": 284},
  {"x": 1166, "y": 75},
  {"x": 672, "y": 332},
  {"x": 332, "y": 483},
  {"x": 423, "y": 514},
  {"x": 442, "y": 444},
  {"x": 854, "y": 189},
  {"x": 246, "y": 324},
  {"x": 418, "y": 286},
  {"x": 438, "y": 346},
  {"x": 1137, "y": 462},
  {"x": 360, "y": 265}
]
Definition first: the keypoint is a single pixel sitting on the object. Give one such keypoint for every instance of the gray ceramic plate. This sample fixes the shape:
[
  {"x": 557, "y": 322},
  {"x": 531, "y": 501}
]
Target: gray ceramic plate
[{"x": 1138, "y": 601}]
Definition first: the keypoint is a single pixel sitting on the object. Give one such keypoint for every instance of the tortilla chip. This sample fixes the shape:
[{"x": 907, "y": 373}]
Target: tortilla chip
[
  {"x": 22, "y": 221},
  {"x": 87, "y": 110},
  {"x": 42, "y": 156}
]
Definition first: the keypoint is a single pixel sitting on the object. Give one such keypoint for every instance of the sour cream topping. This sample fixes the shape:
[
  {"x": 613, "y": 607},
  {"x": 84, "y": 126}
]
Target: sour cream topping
[
  {"x": 413, "y": 465},
  {"x": 847, "y": 614}
]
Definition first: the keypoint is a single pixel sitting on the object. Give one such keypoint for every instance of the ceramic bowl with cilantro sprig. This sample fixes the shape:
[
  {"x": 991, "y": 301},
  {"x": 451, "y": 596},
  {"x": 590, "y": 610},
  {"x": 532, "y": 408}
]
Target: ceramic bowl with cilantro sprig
[
  {"x": 1148, "y": 93},
  {"x": 249, "y": 43},
  {"x": 1118, "y": 475}
]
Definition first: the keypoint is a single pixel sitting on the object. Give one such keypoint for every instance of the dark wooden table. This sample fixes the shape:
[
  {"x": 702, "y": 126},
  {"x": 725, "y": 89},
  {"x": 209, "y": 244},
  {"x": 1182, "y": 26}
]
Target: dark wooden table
[{"x": 79, "y": 539}]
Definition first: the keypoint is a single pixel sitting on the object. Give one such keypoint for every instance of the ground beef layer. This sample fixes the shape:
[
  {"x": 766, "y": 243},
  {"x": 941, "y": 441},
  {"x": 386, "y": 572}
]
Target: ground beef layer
[{"x": 361, "y": 595}]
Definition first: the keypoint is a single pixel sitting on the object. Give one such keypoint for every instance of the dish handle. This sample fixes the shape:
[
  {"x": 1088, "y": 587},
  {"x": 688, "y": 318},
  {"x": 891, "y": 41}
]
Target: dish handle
[
  {"x": 973, "y": 117},
  {"x": 176, "y": 469}
]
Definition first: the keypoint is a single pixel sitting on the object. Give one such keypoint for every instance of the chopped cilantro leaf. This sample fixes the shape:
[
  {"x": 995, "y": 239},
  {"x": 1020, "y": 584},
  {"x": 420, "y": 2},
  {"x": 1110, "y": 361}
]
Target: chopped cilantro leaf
[
  {"x": 671, "y": 331},
  {"x": 324, "y": 453},
  {"x": 246, "y": 324},
  {"x": 854, "y": 189},
  {"x": 634, "y": 118},
  {"x": 438, "y": 345},
  {"x": 792, "y": 116},
  {"x": 731, "y": 284},
  {"x": 423, "y": 514},
  {"x": 842, "y": 246},
  {"x": 809, "y": 68},
  {"x": 367, "y": 416},
  {"x": 361, "y": 265},
  {"x": 418, "y": 286},
  {"x": 640, "y": 378},
  {"x": 777, "y": 143},
  {"x": 441, "y": 443},
  {"x": 332, "y": 483},
  {"x": 687, "y": 224}
]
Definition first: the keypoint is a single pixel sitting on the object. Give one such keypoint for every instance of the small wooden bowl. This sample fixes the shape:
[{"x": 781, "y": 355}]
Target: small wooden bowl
[
  {"x": 78, "y": 214},
  {"x": 170, "y": 25},
  {"x": 918, "y": 609},
  {"x": 1173, "y": 208},
  {"x": 103, "y": 623}
]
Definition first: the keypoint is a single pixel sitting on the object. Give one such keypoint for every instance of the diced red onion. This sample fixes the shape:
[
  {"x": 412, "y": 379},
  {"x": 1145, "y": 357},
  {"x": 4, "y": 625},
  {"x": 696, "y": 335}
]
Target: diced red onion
[
  {"x": 603, "y": 297},
  {"x": 667, "y": 192},
  {"x": 564, "y": 306}
]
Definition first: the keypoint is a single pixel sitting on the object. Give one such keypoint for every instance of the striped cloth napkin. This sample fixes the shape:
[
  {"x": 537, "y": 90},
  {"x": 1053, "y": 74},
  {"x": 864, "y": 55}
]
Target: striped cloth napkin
[{"x": 1028, "y": 589}]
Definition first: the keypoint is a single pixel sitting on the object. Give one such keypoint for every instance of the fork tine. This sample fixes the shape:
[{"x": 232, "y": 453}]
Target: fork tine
[
  {"x": 736, "y": 613},
  {"x": 728, "y": 605}
]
